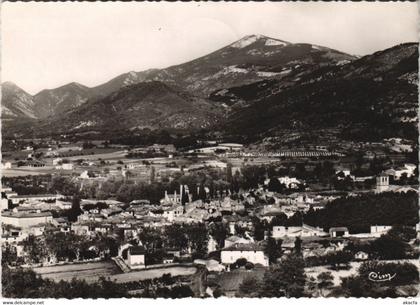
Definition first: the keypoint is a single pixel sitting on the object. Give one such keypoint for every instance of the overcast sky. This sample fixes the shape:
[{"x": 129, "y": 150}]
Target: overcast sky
[{"x": 46, "y": 45}]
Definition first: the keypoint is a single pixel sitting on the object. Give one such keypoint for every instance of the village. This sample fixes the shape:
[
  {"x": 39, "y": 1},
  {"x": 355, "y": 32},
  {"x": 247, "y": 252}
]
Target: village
[{"x": 215, "y": 219}]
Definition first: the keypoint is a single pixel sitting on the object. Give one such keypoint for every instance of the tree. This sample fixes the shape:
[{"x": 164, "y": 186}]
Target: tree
[
  {"x": 249, "y": 287},
  {"x": 389, "y": 247},
  {"x": 219, "y": 231},
  {"x": 259, "y": 228},
  {"x": 202, "y": 192},
  {"x": 325, "y": 281},
  {"x": 150, "y": 238},
  {"x": 360, "y": 287},
  {"x": 23, "y": 283},
  {"x": 152, "y": 174},
  {"x": 252, "y": 176},
  {"x": 182, "y": 291},
  {"x": 274, "y": 185},
  {"x": 298, "y": 245},
  {"x": 241, "y": 262},
  {"x": 20, "y": 283},
  {"x": 287, "y": 279},
  {"x": 8, "y": 254},
  {"x": 175, "y": 237},
  {"x": 75, "y": 210},
  {"x": 107, "y": 245},
  {"x": 184, "y": 196},
  {"x": 405, "y": 233},
  {"x": 35, "y": 249},
  {"x": 339, "y": 258},
  {"x": 197, "y": 235},
  {"x": 273, "y": 249},
  {"x": 229, "y": 173}
]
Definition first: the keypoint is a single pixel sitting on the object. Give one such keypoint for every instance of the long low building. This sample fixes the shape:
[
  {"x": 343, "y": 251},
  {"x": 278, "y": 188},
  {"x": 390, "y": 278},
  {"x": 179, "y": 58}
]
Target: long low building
[
  {"x": 25, "y": 219},
  {"x": 297, "y": 231},
  {"x": 253, "y": 253},
  {"x": 22, "y": 198}
]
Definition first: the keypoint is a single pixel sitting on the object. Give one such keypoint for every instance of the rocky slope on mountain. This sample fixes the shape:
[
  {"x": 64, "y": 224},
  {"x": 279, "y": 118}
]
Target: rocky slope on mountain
[
  {"x": 16, "y": 103},
  {"x": 250, "y": 59},
  {"x": 371, "y": 98},
  {"x": 152, "y": 105},
  {"x": 51, "y": 102}
]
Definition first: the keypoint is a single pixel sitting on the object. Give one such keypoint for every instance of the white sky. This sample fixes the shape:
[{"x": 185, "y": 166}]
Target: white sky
[{"x": 46, "y": 45}]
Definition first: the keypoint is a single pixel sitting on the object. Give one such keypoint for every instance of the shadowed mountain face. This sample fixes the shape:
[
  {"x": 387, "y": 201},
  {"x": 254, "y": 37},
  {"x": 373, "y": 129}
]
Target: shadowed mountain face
[
  {"x": 245, "y": 61},
  {"x": 16, "y": 103},
  {"x": 51, "y": 102},
  {"x": 152, "y": 105},
  {"x": 371, "y": 98}
]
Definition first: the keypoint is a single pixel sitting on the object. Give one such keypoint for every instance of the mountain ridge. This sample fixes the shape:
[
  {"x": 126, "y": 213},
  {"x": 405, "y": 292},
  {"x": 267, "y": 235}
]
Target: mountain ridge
[
  {"x": 249, "y": 59},
  {"x": 303, "y": 89}
]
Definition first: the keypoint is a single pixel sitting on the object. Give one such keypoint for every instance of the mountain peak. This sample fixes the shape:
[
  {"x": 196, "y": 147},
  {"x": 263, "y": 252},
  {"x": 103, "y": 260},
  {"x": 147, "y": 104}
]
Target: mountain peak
[
  {"x": 250, "y": 39},
  {"x": 9, "y": 84},
  {"x": 72, "y": 85}
]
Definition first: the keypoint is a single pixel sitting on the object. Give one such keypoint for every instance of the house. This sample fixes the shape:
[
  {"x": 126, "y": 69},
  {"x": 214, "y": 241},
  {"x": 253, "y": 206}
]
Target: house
[
  {"x": 39, "y": 197},
  {"x": 402, "y": 189},
  {"x": 136, "y": 257},
  {"x": 33, "y": 163},
  {"x": 294, "y": 231},
  {"x": 252, "y": 252},
  {"x": 345, "y": 171},
  {"x": 25, "y": 219},
  {"x": 174, "y": 199},
  {"x": 6, "y": 165},
  {"x": 231, "y": 146},
  {"x": 7, "y": 192},
  {"x": 211, "y": 244},
  {"x": 378, "y": 230},
  {"x": 408, "y": 169},
  {"x": 65, "y": 166},
  {"x": 338, "y": 231},
  {"x": 382, "y": 183},
  {"x": 4, "y": 204},
  {"x": 171, "y": 213},
  {"x": 289, "y": 182},
  {"x": 232, "y": 240},
  {"x": 57, "y": 161},
  {"x": 361, "y": 255},
  {"x": 168, "y": 258},
  {"x": 211, "y": 265},
  {"x": 13, "y": 236},
  {"x": 215, "y": 163}
]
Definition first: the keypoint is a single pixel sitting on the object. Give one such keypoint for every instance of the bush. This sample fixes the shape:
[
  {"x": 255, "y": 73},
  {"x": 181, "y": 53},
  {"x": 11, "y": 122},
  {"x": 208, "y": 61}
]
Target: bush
[
  {"x": 240, "y": 262},
  {"x": 249, "y": 266},
  {"x": 233, "y": 266}
]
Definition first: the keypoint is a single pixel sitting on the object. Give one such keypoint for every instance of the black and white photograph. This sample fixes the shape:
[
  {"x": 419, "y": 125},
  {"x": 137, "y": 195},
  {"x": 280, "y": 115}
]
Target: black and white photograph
[{"x": 209, "y": 150}]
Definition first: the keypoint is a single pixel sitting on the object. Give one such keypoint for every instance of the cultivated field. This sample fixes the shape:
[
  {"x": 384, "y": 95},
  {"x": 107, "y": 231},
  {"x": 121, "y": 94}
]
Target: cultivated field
[
  {"x": 91, "y": 272},
  {"x": 152, "y": 273},
  {"x": 230, "y": 281},
  {"x": 115, "y": 155},
  {"x": 28, "y": 171}
]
